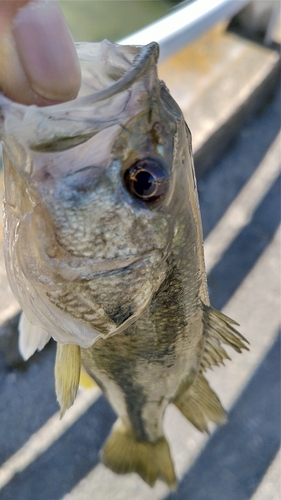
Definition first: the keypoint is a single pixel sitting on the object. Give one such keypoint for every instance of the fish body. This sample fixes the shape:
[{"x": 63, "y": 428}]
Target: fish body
[{"x": 104, "y": 251}]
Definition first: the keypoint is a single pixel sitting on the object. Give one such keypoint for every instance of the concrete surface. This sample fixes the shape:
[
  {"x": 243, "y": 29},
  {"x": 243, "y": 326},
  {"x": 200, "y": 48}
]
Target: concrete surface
[
  {"x": 270, "y": 486},
  {"x": 216, "y": 81}
]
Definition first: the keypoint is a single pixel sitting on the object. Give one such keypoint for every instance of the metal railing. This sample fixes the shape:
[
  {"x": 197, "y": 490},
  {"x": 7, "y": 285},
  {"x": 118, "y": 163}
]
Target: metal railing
[{"x": 185, "y": 24}]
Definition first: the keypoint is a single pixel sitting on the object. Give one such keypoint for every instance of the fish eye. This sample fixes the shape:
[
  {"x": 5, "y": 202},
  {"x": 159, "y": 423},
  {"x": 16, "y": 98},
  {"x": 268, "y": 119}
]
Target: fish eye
[{"x": 146, "y": 180}]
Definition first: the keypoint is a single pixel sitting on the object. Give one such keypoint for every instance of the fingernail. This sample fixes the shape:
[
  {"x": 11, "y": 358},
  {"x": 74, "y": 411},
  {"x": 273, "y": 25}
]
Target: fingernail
[{"x": 46, "y": 50}]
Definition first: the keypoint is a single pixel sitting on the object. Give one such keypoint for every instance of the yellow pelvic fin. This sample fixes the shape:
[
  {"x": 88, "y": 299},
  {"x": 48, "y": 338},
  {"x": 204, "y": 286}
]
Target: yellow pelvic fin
[
  {"x": 67, "y": 375},
  {"x": 199, "y": 404},
  {"x": 122, "y": 453},
  {"x": 218, "y": 329},
  {"x": 86, "y": 381}
]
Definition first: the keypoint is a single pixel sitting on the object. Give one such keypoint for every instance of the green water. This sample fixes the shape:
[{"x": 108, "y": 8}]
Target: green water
[{"x": 94, "y": 20}]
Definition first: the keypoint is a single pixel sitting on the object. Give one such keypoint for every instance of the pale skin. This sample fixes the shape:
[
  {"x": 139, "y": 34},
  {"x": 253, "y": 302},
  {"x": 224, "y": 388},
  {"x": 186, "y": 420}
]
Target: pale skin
[{"x": 38, "y": 61}]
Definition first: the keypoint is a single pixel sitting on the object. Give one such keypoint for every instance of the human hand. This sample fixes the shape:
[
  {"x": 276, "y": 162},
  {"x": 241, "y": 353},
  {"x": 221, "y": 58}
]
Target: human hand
[{"x": 38, "y": 60}]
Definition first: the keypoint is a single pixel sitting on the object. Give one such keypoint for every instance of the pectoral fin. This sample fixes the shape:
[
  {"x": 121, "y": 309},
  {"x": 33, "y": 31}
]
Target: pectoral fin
[
  {"x": 67, "y": 375},
  {"x": 199, "y": 404}
]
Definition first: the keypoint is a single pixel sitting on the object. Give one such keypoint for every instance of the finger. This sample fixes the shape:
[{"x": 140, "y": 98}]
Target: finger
[{"x": 39, "y": 63}]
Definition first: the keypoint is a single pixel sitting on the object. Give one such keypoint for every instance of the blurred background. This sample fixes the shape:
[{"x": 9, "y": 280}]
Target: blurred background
[
  {"x": 221, "y": 62},
  {"x": 92, "y": 21}
]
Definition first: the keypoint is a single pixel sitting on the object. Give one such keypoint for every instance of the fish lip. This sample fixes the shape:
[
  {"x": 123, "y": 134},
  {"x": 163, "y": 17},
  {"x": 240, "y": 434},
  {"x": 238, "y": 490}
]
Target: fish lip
[
  {"x": 89, "y": 268},
  {"x": 108, "y": 265}
]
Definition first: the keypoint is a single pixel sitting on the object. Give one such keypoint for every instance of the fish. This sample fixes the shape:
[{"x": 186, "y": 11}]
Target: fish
[{"x": 104, "y": 252}]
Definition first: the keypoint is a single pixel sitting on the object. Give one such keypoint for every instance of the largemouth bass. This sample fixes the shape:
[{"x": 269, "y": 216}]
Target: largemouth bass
[{"x": 104, "y": 252}]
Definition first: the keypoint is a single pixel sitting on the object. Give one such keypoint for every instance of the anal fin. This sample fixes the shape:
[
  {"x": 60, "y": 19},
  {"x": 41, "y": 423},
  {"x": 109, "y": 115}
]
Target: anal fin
[
  {"x": 123, "y": 453},
  {"x": 199, "y": 404}
]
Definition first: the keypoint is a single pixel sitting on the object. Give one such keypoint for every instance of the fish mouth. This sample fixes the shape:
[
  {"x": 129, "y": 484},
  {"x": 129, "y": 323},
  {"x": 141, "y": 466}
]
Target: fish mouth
[
  {"x": 73, "y": 268},
  {"x": 148, "y": 55},
  {"x": 68, "y": 125}
]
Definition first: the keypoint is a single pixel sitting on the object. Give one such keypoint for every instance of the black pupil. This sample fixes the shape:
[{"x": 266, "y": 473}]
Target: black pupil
[
  {"x": 146, "y": 180},
  {"x": 144, "y": 183}
]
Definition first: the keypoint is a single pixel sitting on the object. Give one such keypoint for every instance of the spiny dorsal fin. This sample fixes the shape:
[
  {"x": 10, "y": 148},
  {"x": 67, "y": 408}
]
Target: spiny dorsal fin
[
  {"x": 199, "y": 404},
  {"x": 67, "y": 375},
  {"x": 218, "y": 329},
  {"x": 122, "y": 453}
]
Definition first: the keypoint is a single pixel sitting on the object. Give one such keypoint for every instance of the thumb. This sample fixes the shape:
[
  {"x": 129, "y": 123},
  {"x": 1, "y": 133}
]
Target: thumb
[{"x": 38, "y": 60}]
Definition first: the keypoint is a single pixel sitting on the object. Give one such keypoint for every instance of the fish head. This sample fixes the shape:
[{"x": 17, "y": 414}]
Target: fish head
[{"x": 96, "y": 192}]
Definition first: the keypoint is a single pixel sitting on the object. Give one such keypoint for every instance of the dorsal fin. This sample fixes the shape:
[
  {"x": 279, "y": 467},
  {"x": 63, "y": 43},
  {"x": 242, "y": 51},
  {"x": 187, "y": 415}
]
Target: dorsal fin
[{"x": 218, "y": 328}]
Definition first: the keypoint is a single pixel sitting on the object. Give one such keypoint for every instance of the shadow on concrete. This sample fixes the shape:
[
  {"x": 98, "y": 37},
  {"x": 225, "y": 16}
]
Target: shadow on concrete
[
  {"x": 238, "y": 454},
  {"x": 238, "y": 260},
  {"x": 27, "y": 400},
  {"x": 67, "y": 461},
  {"x": 218, "y": 188}
]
